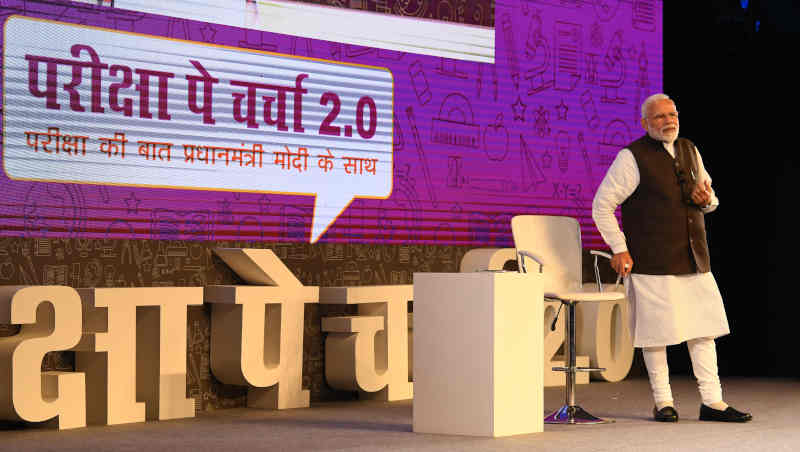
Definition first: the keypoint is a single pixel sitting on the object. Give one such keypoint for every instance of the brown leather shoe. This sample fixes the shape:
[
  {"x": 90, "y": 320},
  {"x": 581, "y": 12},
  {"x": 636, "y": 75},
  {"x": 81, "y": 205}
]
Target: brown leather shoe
[
  {"x": 730, "y": 414},
  {"x": 666, "y": 414}
]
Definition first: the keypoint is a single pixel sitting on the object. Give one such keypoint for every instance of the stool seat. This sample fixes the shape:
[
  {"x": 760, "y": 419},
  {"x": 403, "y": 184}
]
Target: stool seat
[{"x": 585, "y": 296}]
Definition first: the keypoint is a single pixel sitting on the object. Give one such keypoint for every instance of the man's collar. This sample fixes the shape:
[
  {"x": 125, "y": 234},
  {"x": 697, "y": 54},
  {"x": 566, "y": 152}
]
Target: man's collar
[{"x": 659, "y": 142}]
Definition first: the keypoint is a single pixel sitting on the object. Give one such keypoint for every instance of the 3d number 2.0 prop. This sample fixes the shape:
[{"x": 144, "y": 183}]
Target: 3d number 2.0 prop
[{"x": 130, "y": 344}]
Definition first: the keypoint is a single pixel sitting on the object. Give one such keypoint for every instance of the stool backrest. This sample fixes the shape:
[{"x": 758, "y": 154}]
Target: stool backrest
[{"x": 556, "y": 241}]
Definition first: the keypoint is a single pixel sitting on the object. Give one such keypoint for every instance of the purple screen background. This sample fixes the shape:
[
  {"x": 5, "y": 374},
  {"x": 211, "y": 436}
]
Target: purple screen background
[{"x": 474, "y": 143}]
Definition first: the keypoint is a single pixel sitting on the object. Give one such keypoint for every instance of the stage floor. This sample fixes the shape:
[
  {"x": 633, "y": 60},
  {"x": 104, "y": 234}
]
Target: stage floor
[{"x": 369, "y": 426}]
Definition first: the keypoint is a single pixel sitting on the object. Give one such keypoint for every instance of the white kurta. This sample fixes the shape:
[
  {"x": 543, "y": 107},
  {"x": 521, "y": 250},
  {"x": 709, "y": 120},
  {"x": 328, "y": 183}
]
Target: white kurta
[{"x": 664, "y": 309}]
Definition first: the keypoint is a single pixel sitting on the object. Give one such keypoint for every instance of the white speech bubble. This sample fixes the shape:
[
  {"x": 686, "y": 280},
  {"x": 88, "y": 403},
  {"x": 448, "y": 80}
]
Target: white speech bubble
[{"x": 97, "y": 106}]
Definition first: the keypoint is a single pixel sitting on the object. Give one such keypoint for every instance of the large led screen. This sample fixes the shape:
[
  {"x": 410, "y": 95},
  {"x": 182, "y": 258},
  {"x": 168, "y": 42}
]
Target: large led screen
[{"x": 121, "y": 123}]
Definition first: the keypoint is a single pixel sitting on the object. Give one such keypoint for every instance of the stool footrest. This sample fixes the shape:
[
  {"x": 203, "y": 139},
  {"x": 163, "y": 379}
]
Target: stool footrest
[{"x": 579, "y": 369}]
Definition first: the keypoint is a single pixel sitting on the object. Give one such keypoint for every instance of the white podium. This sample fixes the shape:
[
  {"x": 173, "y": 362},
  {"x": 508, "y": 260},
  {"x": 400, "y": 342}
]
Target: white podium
[{"x": 478, "y": 353}]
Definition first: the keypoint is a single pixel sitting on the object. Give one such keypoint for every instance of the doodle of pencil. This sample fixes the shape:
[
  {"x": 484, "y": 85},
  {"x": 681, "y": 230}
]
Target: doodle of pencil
[{"x": 421, "y": 152}]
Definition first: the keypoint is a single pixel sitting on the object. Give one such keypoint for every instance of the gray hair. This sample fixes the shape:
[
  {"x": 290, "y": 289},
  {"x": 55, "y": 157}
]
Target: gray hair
[{"x": 650, "y": 100}]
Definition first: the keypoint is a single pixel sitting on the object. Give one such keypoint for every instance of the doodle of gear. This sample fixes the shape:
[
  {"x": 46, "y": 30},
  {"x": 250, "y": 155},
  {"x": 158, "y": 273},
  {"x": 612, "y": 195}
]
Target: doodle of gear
[
  {"x": 414, "y": 8},
  {"x": 51, "y": 207}
]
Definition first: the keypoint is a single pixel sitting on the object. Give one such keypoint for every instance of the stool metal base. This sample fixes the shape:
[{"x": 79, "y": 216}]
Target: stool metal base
[
  {"x": 574, "y": 415},
  {"x": 571, "y": 413}
]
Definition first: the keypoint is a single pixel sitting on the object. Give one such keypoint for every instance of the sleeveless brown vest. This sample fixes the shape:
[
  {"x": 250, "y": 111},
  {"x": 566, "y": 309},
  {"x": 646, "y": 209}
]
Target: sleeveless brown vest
[{"x": 665, "y": 230}]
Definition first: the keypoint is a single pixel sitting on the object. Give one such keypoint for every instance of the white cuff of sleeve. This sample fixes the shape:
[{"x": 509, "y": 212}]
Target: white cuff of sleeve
[{"x": 619, "y": 248}]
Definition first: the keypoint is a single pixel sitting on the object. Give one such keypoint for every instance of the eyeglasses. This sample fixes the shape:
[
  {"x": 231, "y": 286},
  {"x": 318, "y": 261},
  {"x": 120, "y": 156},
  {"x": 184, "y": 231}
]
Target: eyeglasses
[{"x": 661, "y": 117}]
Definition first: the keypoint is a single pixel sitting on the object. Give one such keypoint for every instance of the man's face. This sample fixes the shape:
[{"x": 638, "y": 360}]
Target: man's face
[{"x": 661, "y": 121}]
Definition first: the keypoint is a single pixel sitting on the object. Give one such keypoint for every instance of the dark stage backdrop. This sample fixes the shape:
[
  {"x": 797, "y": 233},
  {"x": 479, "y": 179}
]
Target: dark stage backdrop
[{"x": 726, "y": 66}]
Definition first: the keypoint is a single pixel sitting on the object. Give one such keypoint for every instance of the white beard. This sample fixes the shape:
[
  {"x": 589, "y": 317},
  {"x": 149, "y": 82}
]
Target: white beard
[{"x": 664, "y": 135}]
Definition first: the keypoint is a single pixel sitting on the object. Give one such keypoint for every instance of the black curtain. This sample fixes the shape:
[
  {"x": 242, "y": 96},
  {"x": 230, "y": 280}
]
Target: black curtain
[{"x": 729, "y": 65}]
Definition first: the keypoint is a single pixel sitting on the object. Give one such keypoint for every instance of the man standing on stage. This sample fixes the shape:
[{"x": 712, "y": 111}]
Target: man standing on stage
[{"x": 664, "y": 190}]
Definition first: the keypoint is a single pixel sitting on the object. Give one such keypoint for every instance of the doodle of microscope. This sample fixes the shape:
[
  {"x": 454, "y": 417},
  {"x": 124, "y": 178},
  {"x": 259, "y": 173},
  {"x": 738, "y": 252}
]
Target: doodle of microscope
[
  {"x": 537, "y": 51},
  {"x": 614, "y": 71}
]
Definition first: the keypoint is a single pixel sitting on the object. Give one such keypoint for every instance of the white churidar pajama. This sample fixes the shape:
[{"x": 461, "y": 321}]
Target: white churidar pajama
[
  {"x": 664, "y": 309},
  {"x": 704, "y": 364}
]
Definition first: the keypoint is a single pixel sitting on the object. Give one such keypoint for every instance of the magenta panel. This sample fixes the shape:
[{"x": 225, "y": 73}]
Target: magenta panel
[{"x": 473, "y": 143}]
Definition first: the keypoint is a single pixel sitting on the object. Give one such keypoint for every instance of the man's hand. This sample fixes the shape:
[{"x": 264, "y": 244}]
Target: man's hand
[
  {"x": 701, "y": 195},
  {"x": 622, "y": 263}
]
